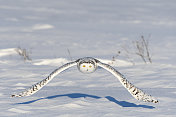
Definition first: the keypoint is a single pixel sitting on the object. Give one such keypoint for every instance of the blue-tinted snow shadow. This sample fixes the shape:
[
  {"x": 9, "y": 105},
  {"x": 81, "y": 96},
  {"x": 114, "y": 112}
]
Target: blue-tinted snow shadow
[
  {"x": 127, "y": 104},
  {"x": 80, "y": 95},
  {"x": 71, "y": 95}
]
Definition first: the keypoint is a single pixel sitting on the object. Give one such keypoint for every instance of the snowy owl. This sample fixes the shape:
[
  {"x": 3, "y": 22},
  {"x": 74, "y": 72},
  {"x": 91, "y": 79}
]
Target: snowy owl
[{"x": 89, "y": 65}]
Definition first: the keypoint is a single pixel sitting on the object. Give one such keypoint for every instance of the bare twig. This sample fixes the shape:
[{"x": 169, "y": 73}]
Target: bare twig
[
  {"x": 69, "y": 54},
  {"x": 23, "y": 53},
  {"x": 147, "y": 50},
  {"x": 142, "y": 49},
  {"x": 114, "y": 57},
  {"x": 127, "y": 53}
]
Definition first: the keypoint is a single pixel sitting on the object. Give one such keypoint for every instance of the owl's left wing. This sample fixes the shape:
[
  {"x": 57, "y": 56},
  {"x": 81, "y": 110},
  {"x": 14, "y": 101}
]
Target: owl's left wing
[
  {"x": 134, "y": 91},
  {"x": 36, "y": 87}
]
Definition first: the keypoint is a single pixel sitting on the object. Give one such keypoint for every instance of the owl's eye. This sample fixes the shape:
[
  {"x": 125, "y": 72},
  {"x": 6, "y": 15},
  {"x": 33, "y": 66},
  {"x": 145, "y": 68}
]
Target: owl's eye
[
  {"x": 84, "y": 66},
  {"x": 90, "y": 66}
]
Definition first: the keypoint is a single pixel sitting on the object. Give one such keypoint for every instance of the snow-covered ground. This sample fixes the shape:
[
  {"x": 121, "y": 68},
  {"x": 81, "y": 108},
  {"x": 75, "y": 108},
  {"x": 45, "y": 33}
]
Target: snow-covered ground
[{"x": 97, "y": 28}]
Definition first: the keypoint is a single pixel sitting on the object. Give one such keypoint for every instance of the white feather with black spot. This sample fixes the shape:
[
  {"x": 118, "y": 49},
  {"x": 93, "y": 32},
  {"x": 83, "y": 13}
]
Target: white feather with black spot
[
  {"x": 134, "y": 91},
  {"x": 36, "y": 87}
]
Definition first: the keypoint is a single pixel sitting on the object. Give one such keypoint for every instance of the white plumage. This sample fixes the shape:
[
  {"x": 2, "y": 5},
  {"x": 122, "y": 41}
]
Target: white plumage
[{"x": 89, "y": 65}]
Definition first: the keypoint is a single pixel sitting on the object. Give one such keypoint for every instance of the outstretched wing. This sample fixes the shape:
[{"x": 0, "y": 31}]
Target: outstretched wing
[
  {"x": 134, "y": 91},
  {"x": 36, "y": 87}
]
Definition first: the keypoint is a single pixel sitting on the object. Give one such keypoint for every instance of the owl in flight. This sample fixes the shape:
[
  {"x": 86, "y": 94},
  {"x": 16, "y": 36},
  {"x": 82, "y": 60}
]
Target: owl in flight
[{"x": 89, "y": 65}]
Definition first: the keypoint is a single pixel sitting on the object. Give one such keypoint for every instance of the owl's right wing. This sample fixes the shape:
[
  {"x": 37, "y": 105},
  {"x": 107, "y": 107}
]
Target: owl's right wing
[
  {"x": 134, "y": 91},
  {"x": 36, "y": 87}
]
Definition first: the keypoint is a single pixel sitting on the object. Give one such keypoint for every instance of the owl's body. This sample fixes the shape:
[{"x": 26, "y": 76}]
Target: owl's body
[{"x": 89, "y": 65}]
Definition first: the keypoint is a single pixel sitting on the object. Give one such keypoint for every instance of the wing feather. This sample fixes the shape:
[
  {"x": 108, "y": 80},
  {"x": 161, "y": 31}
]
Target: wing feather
[
  {"x": 36, "y": 87},
  {"x": 134, "y": 91}
]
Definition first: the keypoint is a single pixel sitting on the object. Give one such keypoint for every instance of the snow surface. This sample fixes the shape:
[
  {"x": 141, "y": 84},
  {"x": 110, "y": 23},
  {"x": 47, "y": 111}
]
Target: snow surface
[{"x": 96, "y": 28}]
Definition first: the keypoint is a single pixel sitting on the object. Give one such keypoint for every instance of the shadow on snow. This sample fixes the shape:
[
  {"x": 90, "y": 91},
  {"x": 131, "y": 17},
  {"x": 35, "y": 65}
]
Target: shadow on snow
[
  {"x": 80, "y": 95},
  {"x": 127, "y": 104}
]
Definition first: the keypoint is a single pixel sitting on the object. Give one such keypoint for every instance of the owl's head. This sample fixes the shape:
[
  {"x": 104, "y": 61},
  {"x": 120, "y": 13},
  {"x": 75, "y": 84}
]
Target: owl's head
[{"x": 87, "y": 65}]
